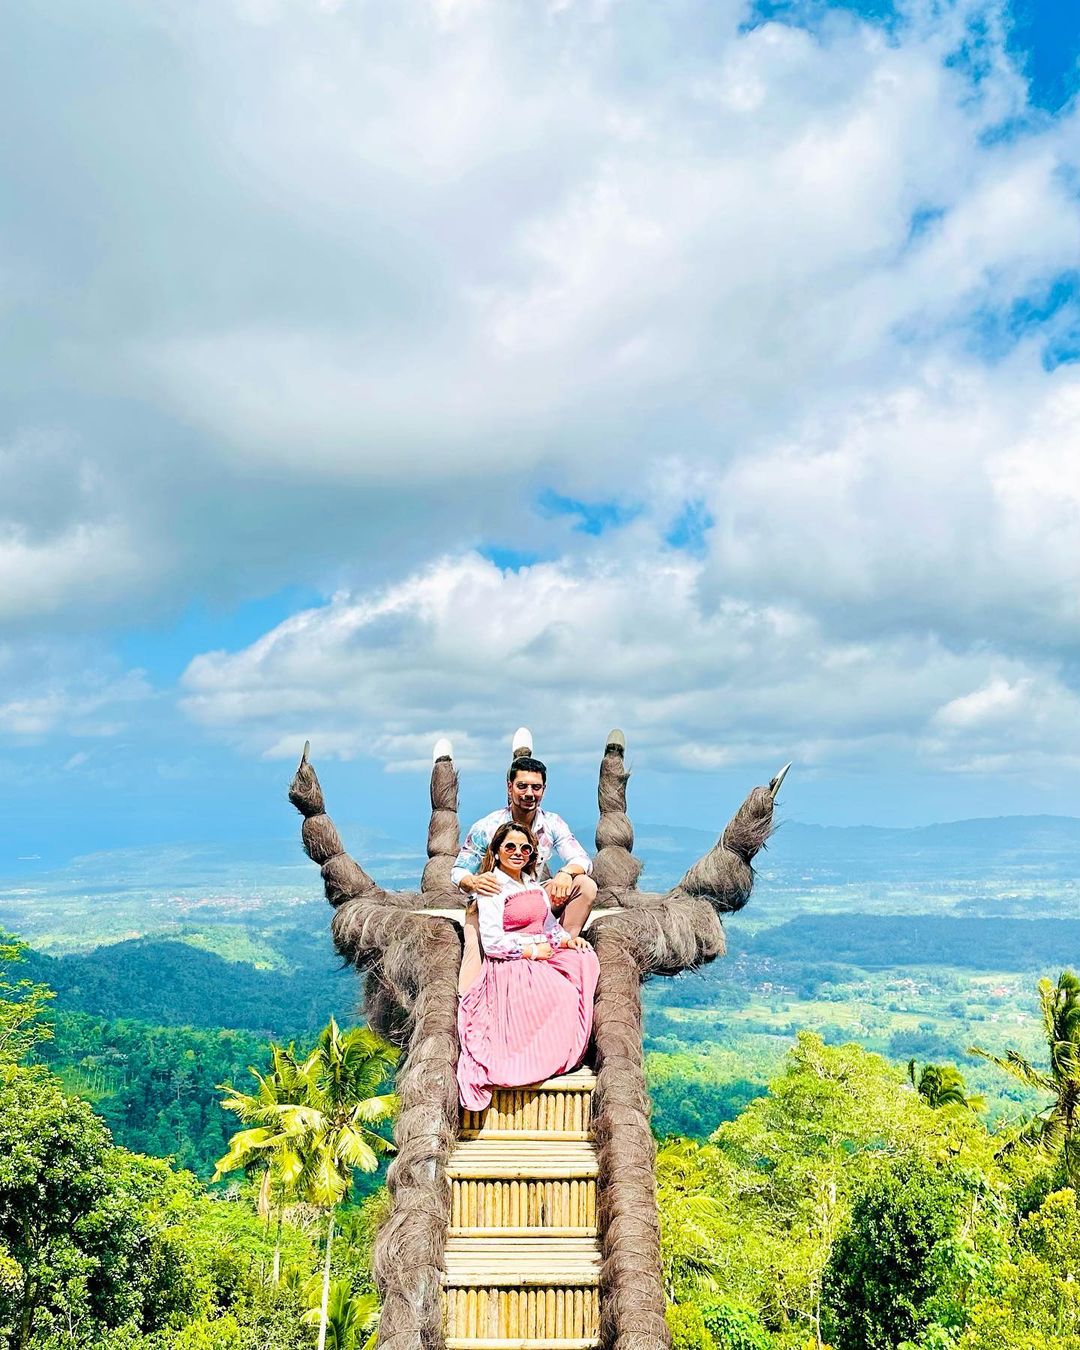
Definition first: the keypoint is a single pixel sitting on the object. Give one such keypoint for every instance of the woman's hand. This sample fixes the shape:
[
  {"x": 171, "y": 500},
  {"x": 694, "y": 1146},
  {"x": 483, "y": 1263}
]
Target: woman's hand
[
  {"x": 576, "y": 942},
  {"x": 540, "y": 951}
]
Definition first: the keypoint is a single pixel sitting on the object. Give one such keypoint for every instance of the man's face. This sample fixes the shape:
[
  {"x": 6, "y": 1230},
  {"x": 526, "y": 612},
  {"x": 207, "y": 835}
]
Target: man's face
[{"x": 526, "y": 791}]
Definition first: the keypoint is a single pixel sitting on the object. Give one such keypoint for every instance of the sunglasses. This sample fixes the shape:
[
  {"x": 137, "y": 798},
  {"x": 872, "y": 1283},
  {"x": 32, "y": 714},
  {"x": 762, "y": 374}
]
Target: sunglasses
[{"x": 525, "y": 850}]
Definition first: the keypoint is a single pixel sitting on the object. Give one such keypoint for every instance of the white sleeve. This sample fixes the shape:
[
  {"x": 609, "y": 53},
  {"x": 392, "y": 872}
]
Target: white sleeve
[
  {"x": 554, "y": 932},
  {"x": 495, "y": 940},
  {"x": 470, "y": 855}
]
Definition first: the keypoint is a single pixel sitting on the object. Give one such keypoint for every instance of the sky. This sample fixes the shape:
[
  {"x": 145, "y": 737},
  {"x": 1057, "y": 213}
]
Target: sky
[{"x": 372, "y": 372}]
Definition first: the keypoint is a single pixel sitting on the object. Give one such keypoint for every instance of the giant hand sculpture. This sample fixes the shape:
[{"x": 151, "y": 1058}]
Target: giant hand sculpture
[{"x": 411, "y": 951}]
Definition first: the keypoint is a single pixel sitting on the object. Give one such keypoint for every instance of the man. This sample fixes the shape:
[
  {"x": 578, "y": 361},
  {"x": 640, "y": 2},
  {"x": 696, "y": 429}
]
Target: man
[{"x": 571, "y": 889}]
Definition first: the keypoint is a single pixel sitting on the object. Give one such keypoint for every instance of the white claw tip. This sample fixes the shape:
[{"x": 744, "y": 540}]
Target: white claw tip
[
  {"x": 443, "y": 750},
  {"x": 521, "y": 742},
  {"x": 774, "y": 786},
  {"x": 617, "y": 737}
]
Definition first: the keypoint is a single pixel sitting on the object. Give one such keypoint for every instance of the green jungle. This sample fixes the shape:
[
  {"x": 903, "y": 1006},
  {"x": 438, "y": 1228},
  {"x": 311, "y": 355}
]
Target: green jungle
[{"x": 868, "y": 1115}]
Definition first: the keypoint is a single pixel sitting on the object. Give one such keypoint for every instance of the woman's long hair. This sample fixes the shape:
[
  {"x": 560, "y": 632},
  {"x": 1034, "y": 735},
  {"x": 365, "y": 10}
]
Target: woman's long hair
[{"x": 491, "y": 857}]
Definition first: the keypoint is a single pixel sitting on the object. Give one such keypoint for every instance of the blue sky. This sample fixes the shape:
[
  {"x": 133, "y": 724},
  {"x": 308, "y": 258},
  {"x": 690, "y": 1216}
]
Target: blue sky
[{"x": 374, "y": 373}]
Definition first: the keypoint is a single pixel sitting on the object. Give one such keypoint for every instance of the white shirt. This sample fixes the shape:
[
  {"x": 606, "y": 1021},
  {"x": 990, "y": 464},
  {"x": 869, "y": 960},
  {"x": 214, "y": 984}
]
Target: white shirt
[{"x": 496, "y": 941}]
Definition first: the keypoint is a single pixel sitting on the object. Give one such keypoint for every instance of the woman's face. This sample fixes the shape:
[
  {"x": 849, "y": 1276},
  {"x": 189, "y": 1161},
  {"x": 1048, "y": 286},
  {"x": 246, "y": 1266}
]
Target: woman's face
[{"x": 515, "y": 852}]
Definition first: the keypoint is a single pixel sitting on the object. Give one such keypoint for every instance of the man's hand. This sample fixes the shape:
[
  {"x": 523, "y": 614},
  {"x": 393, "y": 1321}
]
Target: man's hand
[
  {"x": 540, "y": 951},
  {"x": 576, "y": 942},
  {"x": 484, "y": 884},
  {"x": 559, "y": 887}
]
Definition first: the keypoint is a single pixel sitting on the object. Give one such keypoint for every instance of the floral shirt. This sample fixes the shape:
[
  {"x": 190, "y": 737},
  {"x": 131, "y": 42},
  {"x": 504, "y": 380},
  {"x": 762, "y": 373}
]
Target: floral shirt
[{"x": 553, "y": 836}]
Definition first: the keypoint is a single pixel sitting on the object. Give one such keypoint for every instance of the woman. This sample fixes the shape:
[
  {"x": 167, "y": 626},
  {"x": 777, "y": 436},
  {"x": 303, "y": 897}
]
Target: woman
[{"x": 526, "y": 1012}]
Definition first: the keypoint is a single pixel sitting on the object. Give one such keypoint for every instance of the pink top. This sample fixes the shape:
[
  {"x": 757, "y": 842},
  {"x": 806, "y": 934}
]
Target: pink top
[{"x": 519, "y": 915}]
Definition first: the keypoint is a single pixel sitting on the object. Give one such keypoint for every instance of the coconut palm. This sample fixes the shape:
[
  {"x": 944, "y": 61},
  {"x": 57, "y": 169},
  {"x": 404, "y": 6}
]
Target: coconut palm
[
  {"x": 331, "y": 1126},
  {"x": 311, "y": 1125},
  {"x": 943, "y": 1085},
  {"x": 351, "y": 1319},
  {"x": 267, "y": 1150},
  {"x": 692, "y": 1222},
  {"x": 1056, "y": 1128}
]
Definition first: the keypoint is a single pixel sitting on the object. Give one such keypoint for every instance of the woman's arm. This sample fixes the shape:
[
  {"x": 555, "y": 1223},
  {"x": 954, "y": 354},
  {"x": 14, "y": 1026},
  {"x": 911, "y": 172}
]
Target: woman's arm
[{"x": 497, "y": 942}]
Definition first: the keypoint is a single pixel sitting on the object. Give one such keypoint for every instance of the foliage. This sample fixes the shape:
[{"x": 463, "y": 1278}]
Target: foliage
[
  {"x": 733, "y": 1327},
  {"x": 311, "y": 1117},
  {"x": 311, "y": 1129},
  {"x": 688, "y": 1330},
  {"x": 690, "y": 1099},
  {"x": 170, "y": 983},
  {"x": 88, "y": 1224},
  {"x": 880, "y": 1275},
  {"x": 1032, "y": 1301},
  {"x": 22, "y": 1003},
  {"x": 1056, "y": 1128},
  {"x": 350, "y": 1317},
  {"x": 749, "y": 1219},
  {"x": 941, "y": 1085}
]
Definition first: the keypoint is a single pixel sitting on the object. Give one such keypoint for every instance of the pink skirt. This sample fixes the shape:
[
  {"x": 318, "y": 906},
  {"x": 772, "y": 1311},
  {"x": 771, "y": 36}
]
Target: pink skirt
[{"x": 523, "y": 1021}]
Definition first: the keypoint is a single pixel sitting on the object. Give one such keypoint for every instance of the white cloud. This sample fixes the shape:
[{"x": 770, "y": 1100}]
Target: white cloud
[
  {"x": 60, "y": 689},
  {"x": 398, "y": 253},
  {"x": 80, "y": 565},
  {"x": 449, "y": 650},
  {"x": 373, "y": 278}
]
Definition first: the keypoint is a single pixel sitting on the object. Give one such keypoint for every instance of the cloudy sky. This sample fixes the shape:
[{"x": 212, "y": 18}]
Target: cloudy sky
[{"x": 372, "y": 371}]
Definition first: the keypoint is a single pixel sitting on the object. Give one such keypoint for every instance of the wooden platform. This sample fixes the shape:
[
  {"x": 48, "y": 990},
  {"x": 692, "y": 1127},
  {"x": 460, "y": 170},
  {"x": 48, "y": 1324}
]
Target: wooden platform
[{"x": 522, "y": 1258}]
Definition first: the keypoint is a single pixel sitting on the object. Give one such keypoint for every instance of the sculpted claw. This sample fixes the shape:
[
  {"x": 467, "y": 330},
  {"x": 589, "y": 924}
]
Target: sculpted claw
[{"x": 774, "y": 785}]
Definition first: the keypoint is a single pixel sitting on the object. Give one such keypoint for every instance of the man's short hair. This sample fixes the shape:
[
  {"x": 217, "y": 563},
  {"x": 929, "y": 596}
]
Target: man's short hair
[{"x": 526, "y": 764}]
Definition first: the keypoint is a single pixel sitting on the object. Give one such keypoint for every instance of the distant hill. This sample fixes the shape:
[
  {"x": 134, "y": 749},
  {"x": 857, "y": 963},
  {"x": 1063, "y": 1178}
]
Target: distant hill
[
  {"x": 174, "y": 984},
  {"x": 883, "y": 941},
  {"x": 1024, "y": 846}
]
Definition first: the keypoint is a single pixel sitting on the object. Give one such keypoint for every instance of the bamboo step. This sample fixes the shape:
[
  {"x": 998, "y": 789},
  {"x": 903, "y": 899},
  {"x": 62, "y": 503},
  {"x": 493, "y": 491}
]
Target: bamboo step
[
  {"x": 528, "y": 1159},
  {"x": 550, "y": 1316},
  {"x": 559, "y": 1262},
  {"x": 504, "y": 1231},
  {"x": 495, "y": 1343},
  {"x": 485, "y": 1133},
  {"x": 557, "y": 1107},
  {"x": 509, "y": 1203}
]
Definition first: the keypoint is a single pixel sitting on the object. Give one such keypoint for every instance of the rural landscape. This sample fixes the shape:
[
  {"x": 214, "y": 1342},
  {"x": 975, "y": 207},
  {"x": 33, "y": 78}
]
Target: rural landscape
[{"x": 865, "y": 957}]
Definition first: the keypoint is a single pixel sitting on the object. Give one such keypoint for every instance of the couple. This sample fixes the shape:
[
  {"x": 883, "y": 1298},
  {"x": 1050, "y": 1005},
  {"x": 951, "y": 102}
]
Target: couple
[{"x": 526, "y": 1004}]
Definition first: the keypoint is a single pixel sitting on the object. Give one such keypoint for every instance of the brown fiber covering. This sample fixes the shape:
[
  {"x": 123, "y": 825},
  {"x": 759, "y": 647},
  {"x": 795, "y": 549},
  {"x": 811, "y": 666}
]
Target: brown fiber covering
[{"x": 412, "y": 962}]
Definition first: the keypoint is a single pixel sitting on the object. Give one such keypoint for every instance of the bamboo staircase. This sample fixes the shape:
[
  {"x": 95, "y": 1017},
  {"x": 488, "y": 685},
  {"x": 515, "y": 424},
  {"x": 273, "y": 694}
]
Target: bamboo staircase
[{"x": 522, "y": 1258}]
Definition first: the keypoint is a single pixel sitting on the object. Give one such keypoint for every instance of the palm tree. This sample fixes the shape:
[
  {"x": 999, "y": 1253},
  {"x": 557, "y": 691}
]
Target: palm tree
[
  {"x": 351, "y": 1318},
  {"x": 1056, "y": 1128},
  {"x": 268, "y": 1149},
  {"x": 691, "y": 1222},
  {"x": 331, "y": 1127},
  {"x": 943, "y": 1085},
  {"x": 311, "y": 1122}
]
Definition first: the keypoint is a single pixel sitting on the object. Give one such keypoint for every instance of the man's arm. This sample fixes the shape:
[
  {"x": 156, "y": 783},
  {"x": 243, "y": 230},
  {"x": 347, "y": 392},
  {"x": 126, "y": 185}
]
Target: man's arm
[
  {"x": 470, "y": 856},
  {"x": 466, "y": 866},
  {"x": 574, "y": 857}
]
